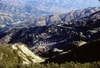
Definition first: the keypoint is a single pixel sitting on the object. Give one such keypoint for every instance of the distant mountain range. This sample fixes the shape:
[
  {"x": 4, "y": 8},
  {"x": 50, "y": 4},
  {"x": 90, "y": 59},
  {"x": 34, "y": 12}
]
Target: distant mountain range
[
  {"x": 17, "y": 11},
  {"x": 49, "y": 19},
  {"x": 63, "y": 18}
]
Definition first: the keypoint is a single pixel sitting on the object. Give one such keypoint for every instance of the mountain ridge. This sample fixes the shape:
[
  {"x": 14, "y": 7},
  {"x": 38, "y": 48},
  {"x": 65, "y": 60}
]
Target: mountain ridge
[
  {"x": 54, "y": 19},
  {"x": 42, "y": 39},
  {"x": 20, "y": 11},
  {"x": 70, "y": 41}
]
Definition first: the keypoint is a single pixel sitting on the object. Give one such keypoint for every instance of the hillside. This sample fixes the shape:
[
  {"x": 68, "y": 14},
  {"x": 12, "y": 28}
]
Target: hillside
[
  {"x": 49, "y": 41},
  {"x": 41, "y": 31},
  {"x": 10, "y": 59},
  {"x": 86, "y": 53},
  {"x": 77, "y": 41}
]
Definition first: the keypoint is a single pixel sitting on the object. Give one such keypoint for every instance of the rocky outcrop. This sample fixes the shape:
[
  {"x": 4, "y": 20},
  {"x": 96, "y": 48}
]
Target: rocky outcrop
[
  {"x": 18, "y": 54},
  {"x": 27, "y": 55}
]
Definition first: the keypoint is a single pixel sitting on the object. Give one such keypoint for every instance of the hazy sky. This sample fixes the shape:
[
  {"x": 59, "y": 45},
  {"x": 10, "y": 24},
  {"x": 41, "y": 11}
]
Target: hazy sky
[
  {"x": 87, "y": 3},
  {"x": 65, "y": 5},
  {"x": 77, "y": 3},
  {"x": 82, "y": 3}
]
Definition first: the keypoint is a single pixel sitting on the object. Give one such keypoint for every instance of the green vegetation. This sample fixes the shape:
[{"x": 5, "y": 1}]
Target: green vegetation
[
  {"x": 55, "y": 65},
  {"x": 10, "y": 59},
  {"x": 66, "y": 65}
]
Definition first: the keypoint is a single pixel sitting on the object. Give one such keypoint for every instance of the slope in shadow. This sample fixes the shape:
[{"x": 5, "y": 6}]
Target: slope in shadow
[{"x": 87, "y": 53}]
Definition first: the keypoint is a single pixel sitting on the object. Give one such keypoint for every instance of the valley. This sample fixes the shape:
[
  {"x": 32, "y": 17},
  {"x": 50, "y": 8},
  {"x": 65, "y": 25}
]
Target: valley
[{"x": 45, "y": 32}]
